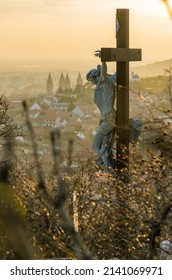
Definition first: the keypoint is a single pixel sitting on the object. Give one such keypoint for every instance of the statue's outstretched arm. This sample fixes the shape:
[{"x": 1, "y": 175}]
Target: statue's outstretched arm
[
  {"x": 103, "y": 67},
  {"x": 104, "y": 71}
]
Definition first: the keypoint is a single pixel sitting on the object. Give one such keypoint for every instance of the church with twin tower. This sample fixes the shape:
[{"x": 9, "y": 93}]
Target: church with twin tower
[{"x": 64, "y": 83}]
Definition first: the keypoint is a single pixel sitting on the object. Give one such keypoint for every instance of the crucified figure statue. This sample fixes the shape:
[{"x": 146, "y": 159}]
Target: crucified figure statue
[{"x": 104, "y": 98}]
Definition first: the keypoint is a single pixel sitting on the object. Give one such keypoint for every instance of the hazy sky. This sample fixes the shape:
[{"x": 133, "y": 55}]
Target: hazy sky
[{"x": 74, "y": 29}]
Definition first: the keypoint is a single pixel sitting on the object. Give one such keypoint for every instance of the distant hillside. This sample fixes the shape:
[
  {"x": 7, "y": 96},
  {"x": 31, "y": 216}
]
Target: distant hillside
[{"x": 153, "y": 69}]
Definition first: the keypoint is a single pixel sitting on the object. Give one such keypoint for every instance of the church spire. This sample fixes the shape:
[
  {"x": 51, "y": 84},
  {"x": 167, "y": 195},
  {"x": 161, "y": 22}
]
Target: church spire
[
  {"x": 62, "y": 82},
  {"x": 49, "y": 85},
  {"x": 79, "y": 80},
  {"x": 67, "y": 82}
]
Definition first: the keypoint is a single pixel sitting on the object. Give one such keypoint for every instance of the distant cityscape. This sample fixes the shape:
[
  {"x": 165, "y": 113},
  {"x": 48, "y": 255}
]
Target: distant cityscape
[{"x": 64, "y": 100}]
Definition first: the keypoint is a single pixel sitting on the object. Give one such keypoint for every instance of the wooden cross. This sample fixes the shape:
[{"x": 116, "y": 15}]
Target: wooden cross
[{"x": 122, "y": 54}]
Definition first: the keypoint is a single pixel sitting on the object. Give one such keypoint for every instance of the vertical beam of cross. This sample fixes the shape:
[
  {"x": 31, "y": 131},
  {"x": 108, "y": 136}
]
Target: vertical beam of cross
[
  {"x": 122, "y": 121},
  {"x": 122, "y": 54}
]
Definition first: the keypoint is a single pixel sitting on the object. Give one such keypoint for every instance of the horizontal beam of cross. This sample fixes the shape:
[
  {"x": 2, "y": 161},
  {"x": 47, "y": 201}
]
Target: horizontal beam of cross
[{"x": 120, "y": 54}]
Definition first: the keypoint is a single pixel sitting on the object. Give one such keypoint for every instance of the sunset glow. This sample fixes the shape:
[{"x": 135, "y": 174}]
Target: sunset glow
[{"x": 72, "y": 29}]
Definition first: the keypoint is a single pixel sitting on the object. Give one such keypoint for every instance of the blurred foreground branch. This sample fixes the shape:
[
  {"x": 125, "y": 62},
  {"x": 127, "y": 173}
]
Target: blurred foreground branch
[{"x": 169, "y": 9}]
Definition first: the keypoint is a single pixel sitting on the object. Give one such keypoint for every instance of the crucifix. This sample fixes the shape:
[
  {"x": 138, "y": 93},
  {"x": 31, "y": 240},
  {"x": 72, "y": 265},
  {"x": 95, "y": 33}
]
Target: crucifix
[{"x": 122, "y": 54}]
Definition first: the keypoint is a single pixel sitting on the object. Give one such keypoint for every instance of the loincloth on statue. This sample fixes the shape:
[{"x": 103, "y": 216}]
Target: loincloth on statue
[{"x": 107, "y": 123}]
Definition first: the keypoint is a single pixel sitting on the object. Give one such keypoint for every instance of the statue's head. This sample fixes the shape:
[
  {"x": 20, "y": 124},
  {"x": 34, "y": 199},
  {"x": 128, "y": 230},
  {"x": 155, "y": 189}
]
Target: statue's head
[{"x": 93, "y": 75}]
